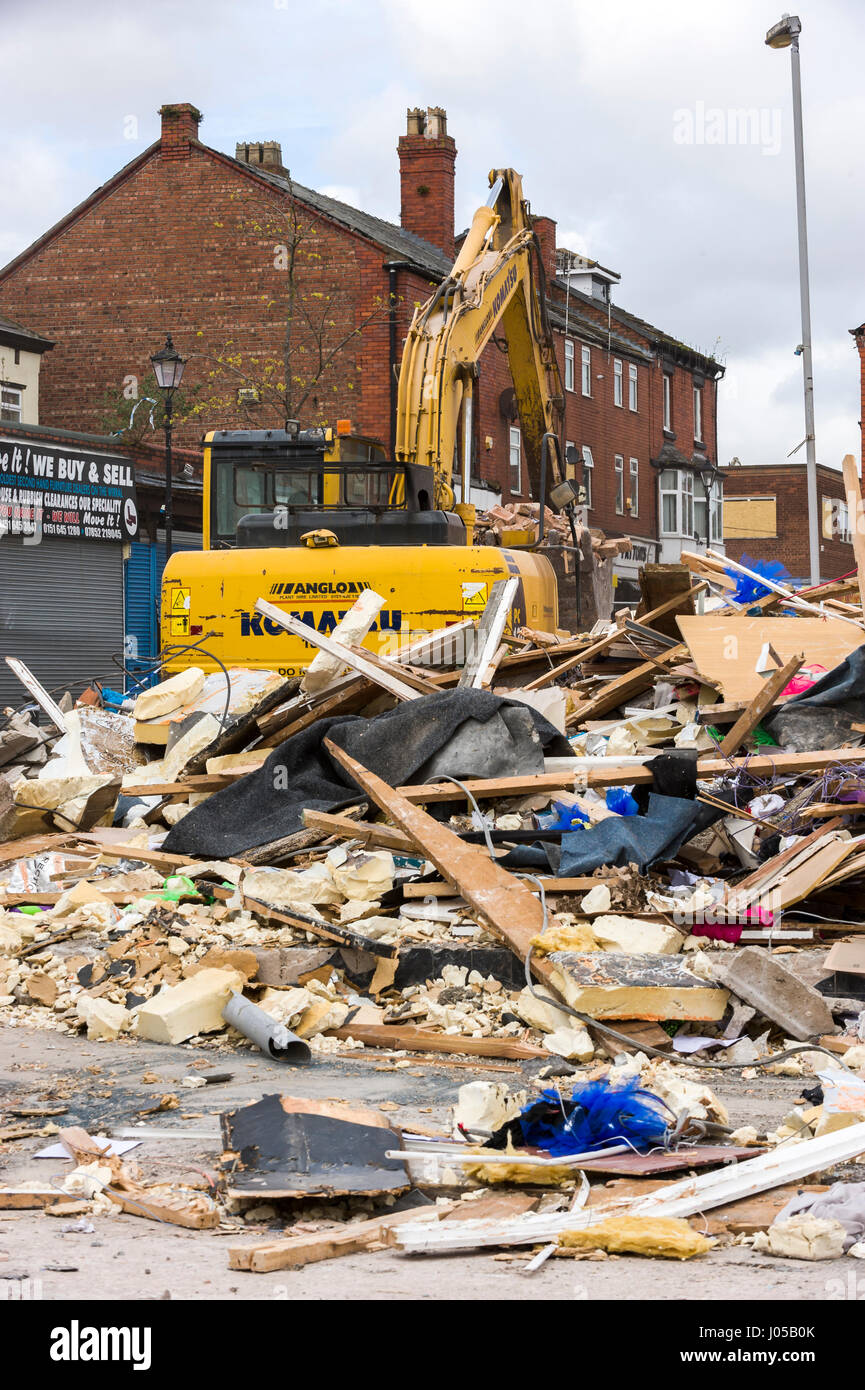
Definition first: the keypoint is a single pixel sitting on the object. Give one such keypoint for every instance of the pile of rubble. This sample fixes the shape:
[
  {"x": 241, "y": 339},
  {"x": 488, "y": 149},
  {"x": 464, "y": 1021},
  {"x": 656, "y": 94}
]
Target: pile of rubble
[{"x": 625, "y": 858}]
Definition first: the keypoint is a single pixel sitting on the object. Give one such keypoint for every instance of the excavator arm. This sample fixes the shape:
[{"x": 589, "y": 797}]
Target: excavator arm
[{"x": 496, "y": 284}]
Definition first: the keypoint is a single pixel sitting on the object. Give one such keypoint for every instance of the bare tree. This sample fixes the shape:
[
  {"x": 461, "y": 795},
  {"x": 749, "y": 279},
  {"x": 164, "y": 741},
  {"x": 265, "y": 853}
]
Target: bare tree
[{"x": 313, "y": 301}]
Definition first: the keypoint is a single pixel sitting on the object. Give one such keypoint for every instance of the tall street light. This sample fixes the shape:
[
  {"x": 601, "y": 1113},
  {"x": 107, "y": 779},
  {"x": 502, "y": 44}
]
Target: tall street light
[
  {"x": 168, "y": 369},
  {"x": 785, "y": 34}
]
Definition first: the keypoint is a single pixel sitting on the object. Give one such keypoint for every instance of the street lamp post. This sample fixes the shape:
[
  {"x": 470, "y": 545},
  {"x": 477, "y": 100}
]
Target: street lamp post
[
  {"x": 168, "y": 369},
  {"x": 785, "y": 34}
]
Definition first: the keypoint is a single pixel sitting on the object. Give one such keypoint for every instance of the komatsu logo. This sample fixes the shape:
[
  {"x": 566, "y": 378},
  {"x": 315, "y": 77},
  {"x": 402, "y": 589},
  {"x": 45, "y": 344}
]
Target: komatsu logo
[
  {"x": 343, "y": 588},
  {"x": 255, "y": 625},
  {"x": 504, "y": 289}
]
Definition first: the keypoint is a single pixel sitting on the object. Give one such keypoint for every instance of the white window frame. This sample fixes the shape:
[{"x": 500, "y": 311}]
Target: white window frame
[
  {"x": 586, "y": 359},
  {"x": 515, "y": 442},
  {"x": 618, "y": 383},
  {"x": 11, "y": 403},
  {"x": 668, "y": 401},
  {"x": 588, "y": 474},
  {"x": 716, "y": 518},
  {"x": 634, "y": 485},
  {"x": 698, "y": 414},
  {"x": 569, "y": 444},
  {"x": 683, "y": 491},
  {"x": 619, "y": 470},
  {"x": 667, "y": 490},
  {"x": 632, "y": 387},
  {"x": 569, "y": 365},
  {"x": 686, "y": 483}
]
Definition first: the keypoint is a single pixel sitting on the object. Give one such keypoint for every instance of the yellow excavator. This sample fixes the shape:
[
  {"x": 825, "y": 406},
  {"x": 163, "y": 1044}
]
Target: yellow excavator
[{"x": 309, "y": 519}]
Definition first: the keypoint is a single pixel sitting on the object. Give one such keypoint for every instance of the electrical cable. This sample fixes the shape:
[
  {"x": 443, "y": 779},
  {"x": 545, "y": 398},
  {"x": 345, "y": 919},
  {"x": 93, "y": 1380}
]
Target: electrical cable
[
  {"x": 154, "y": 664},
  {"x": 586, "y": 1019},
  {"x": 769, "y": 1060}
]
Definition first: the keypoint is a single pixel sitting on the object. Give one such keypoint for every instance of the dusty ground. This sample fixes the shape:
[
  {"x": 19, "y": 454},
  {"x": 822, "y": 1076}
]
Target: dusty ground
[{"x": 131, "y": 1258}]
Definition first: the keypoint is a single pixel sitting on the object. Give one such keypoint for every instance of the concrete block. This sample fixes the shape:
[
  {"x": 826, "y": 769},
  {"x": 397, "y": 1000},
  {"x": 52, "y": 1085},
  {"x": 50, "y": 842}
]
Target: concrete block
[
  {"x": 610, "y": 984},
  {"x": 193, "y": 1006},
  {"x": 773, "y": 990},
  {"x": 169, "y": 695},
  {"x": 280, "y": 966}
]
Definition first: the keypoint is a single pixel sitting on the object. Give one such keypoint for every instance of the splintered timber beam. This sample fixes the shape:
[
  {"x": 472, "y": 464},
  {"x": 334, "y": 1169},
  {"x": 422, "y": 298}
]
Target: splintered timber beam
[
  {"x": 855, "y": 518},
  {"x": 369, "y": 832},
  {"x": 603, "y": 643},
  {"x": 762, "y": 702},
  {"x": 506, "y": 904},
  {"x": 625, "y": 774},
  {"x": 346, "y": 655}
]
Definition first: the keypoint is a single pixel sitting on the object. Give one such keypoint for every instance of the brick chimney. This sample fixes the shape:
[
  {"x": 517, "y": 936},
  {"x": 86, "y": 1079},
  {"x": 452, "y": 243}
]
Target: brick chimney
[
  {"x": 427, "y": 155},
  {"x": 545, "y": 231},
  {"x": 179, "y": 129},
  {"x": 262, "y": 154}
]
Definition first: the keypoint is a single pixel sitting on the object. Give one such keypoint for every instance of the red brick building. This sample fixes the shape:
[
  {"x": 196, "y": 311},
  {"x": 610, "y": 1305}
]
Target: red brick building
[
  {"x": 261, "y": 280},
  {"x": 766, "y": 517}
]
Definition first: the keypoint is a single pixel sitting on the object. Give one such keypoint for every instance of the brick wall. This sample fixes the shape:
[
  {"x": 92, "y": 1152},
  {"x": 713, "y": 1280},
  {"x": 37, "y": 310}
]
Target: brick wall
[
  {"x": 787, "y": 484},
  {"x": 207, "y": 271}
]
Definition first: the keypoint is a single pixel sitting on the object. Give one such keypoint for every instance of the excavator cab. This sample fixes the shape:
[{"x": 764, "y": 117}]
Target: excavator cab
[{"x": 268, "y": 488}]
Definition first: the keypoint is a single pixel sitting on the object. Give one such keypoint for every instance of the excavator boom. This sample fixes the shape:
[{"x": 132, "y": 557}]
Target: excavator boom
[{"x": 496, "y": 284}]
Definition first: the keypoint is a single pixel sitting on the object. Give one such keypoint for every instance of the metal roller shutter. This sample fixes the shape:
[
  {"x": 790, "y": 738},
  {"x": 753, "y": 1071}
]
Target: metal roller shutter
[{"x": 61, "y": 613}]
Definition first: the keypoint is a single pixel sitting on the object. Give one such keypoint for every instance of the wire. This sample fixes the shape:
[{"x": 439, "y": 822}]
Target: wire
[
  {"x": 443, "y": 777},
  {"x": 153, "y": 663},
  {"x": 769, "y": 1060},
  {"x": 589, "y": 1022}
]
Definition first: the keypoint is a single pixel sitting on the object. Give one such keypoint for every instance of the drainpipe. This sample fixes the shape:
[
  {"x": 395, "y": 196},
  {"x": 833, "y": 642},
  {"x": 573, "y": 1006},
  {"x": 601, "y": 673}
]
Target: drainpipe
[{"x": 393, "y": 268}]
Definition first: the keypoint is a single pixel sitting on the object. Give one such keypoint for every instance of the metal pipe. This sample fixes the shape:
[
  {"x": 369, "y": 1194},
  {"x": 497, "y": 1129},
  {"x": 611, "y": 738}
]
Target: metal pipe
[
  {"x": 805, "y": 303},
  {"x": 270, "y": 1037},
  {"x": 465, "y": 489},
  {"x": 392, "y": 268},
  {"x": 169, "y": 498}
]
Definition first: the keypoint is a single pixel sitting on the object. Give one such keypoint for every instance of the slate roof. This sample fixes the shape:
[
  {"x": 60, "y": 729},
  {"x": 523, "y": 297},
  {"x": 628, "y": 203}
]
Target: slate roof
[
  {"x": 404, "y": 245},
  {"x": 19, "y": 336}
]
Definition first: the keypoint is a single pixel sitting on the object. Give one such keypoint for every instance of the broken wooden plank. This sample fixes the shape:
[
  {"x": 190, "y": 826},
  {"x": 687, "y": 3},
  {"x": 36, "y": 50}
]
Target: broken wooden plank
[
  {"x": 624, "y": 687},
  {"x": 620, "y": 774},
  {"x": 392, "y": 684},
  {"x": 489, "y": 633},
  {"x": 350, "y": 1239},
  {"x": 193, "y": 1212},
  {"x": 726, "y": 648},
  {"x": 368, "y": 832},
  {"x": 760, "y": 705},
  {"x": 855, "y": 518},
  {"x": 604, "y": 642},
  {"x": 406, "y": 1038},
  {"x": 504, "y": 902},
  {"x": 549, "y": 885},
  {"x": 407, "y": 674},
  {"x": 39, "y": 693}
]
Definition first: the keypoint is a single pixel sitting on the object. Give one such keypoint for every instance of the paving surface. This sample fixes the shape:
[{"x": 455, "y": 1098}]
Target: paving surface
[{"x": 102, "y": 1087}]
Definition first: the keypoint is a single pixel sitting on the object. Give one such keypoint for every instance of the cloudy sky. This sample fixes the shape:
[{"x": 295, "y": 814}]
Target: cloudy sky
[{"x": 620, "y": 116}]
